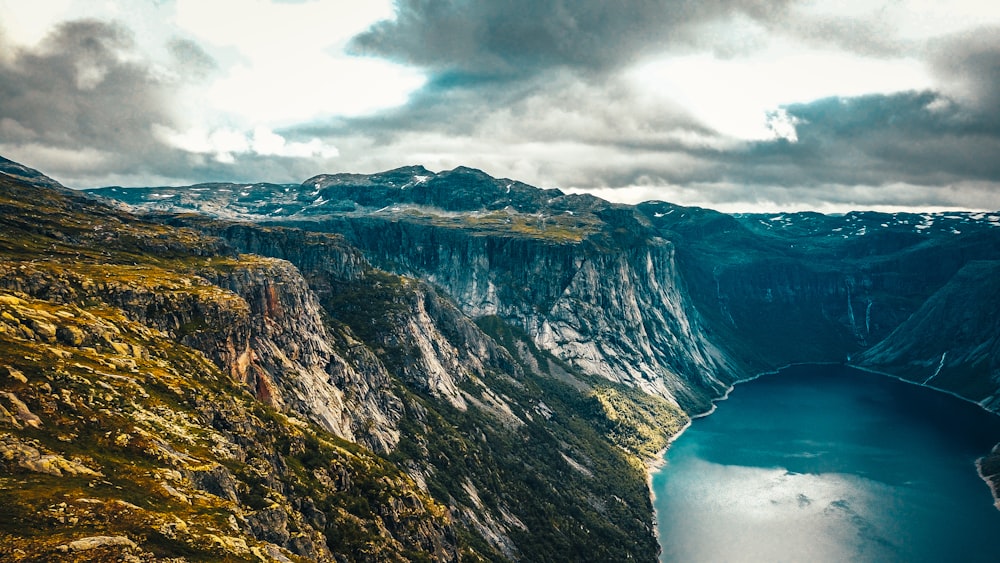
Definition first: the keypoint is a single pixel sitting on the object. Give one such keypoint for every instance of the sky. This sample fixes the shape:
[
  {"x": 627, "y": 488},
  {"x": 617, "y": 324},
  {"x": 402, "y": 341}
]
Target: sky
[{"x": 736, "y": 105}]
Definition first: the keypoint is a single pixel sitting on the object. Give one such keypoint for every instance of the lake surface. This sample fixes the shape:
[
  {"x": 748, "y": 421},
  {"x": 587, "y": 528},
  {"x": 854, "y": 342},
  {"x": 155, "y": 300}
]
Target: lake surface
[{"x": 826, "y": 463}]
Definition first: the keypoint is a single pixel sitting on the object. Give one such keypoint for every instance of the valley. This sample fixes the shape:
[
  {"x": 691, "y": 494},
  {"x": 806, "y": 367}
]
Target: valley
[{"x": 424, "y": 366}]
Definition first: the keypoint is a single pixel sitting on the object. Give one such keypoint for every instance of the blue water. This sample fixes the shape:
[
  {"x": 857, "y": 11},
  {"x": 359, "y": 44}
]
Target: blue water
[{"x": 826, "y": 463}]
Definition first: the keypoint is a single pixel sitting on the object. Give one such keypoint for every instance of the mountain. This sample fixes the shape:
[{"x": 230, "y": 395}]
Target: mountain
[
  {"x": 538, "y": 259},
  {"x": 668, "y": 299},
  {"x": 147, "y": 410},
  {"x": 422, "y": 366},
  {"x": 171, "y": 392}
]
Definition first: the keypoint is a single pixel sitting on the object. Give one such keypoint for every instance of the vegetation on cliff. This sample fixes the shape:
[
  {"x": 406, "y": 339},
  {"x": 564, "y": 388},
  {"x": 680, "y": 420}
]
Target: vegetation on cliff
[{"x": 117, "y": 439}]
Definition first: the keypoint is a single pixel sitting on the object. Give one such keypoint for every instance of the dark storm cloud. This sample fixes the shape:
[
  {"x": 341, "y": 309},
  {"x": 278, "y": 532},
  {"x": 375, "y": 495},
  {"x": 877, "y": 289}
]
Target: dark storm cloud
[
  {"x": 78, "y": 91},
  {"x": 864, "y": 146},
  {"x": 559, "y": 106},
  {"x": 931, "y": 138},
  {"x": 85, "y": 109},
  {"x": 483, "y": 38},
  {"x": 69, "y": 82},
  {"x": 970, "y": 62},
  {"x": 868, "y": 37},
  {"x": 522, "y": 72}
]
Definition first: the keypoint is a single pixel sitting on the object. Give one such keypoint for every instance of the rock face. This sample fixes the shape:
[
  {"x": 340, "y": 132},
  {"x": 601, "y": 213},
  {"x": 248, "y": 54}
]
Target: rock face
[
  {"x": 255, "y": 317},
  {"x": 587, "y": 280},
  {"x": 619, "y": 313},
  {"x": 286, "y": 354}
]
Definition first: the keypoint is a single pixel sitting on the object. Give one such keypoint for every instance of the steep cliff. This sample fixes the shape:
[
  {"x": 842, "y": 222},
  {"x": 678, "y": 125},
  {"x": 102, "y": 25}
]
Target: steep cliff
[
  {"x": 952, "y": 341},
  {"x": 609, "y": 309},
  {"x": 519, "y": 456},
  {"x": 808, "y": 287},
  {"x": 588, "y": 281}
]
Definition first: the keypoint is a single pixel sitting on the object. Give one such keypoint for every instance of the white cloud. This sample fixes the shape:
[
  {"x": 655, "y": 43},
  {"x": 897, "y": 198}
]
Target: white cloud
[
  {"x": 268, "y": 143},
  {"x": 782, "y": 125},
  {"x": 225, "y": 144},
  {"x": 912, "y": 19},
  {"x": 29, "y": 26},
  {"x": 738, "y": 96},
  {"x": 313, "y": 85},
  {"x": 288, "y": 63}
]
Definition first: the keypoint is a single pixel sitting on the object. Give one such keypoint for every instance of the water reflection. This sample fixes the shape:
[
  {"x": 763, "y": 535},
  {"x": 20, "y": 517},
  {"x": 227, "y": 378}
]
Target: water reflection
[{"x": 850, "y": 467}]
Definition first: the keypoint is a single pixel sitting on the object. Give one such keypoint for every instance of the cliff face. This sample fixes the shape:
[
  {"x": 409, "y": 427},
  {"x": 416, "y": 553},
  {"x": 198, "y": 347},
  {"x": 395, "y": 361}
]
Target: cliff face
[
  {"x": 286, "y": 354},
  {"x": 255, "y": 318},
  {"x": 808, "y": 287},
  {"x": 587, "y": 280},
  {"x": 605, "y": 308}
]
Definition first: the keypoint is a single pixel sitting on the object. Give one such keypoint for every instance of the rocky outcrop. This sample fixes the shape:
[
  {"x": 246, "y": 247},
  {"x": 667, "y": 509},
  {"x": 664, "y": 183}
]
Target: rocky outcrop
[
  {"x": 256, "y": 318},
  {"x": 287, "y": 355},
  {"x": 206, "y": 453}
]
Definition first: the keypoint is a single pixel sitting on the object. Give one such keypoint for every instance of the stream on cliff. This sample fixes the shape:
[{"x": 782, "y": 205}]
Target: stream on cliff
[{"x": 827, "y": 463}]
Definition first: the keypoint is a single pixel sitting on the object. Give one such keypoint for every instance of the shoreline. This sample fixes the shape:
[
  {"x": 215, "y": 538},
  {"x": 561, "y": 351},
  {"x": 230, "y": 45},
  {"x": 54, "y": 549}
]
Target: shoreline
[
  {"x": 659, "y": 462},
  {"x": 919, "y": 384},
  {"x": 994, "y": 487}
]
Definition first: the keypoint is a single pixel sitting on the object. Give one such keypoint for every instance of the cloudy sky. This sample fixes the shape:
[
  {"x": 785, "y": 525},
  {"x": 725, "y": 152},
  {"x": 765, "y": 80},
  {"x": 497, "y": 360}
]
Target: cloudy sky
[{"x": 732, "y": 104}]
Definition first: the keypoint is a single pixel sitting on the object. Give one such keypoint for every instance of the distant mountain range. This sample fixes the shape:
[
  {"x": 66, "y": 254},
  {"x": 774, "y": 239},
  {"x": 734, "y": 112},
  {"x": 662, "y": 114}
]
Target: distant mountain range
[{"x": 422, "y": 366}]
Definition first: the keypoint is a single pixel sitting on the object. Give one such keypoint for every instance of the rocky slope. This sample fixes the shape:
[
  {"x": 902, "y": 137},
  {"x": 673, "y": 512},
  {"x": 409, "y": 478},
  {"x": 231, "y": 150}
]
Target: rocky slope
[
  {"x": 120, "y": 437},
  {"x": 301, "y": 406}
]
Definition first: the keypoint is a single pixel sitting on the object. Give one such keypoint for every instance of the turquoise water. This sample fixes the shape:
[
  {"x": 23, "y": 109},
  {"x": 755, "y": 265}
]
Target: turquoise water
[{"x": 826, "y": 463}]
